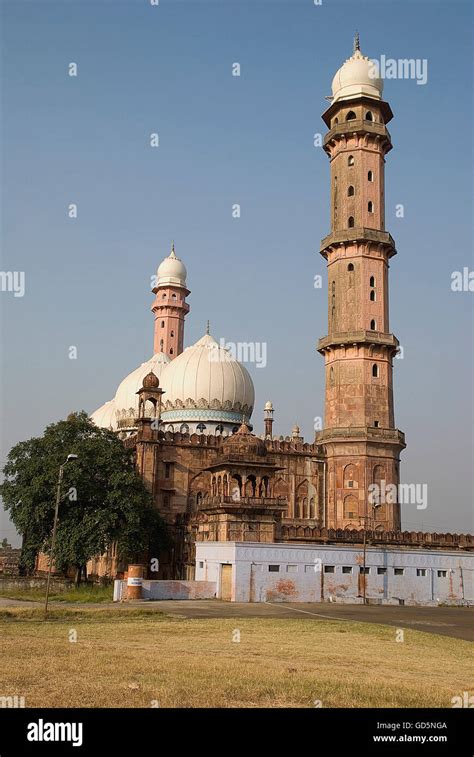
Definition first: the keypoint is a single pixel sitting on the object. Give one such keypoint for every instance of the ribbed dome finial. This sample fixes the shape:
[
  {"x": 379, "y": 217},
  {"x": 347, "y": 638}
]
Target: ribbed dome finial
[{"x": 356, "y": 42}]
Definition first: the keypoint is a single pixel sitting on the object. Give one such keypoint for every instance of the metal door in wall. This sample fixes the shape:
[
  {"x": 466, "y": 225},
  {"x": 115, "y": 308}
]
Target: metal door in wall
[{"x": 226, "y": 582}]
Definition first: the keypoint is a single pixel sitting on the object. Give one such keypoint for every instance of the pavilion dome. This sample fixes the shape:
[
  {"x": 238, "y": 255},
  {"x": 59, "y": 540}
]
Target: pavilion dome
[{"x": 243, "y": 442}]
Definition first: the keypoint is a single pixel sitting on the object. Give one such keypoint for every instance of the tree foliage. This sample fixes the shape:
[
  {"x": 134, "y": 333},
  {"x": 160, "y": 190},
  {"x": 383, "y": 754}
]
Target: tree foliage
[{"x": 103, "y": 498}]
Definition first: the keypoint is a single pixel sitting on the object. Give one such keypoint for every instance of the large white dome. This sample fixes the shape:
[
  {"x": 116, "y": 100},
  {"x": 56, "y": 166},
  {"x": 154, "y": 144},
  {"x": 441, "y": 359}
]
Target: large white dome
[
  {"x": 357, "y": 76},
  {"x": 205, "y": 383},
  {"x": 121, "y": 412},
  {"x": 171, "y": 271}
]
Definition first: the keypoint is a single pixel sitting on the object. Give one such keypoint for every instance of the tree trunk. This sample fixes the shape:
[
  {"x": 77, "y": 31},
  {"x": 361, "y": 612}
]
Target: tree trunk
[{"x": 77, "y": 579}]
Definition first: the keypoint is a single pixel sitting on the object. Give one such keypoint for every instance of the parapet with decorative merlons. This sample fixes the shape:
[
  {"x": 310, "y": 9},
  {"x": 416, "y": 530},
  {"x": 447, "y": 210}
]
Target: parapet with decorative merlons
[{"x": 291, "y": 532}]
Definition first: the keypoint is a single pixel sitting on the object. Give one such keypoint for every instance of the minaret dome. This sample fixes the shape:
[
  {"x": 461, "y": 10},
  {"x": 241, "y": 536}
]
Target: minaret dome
[
  {"x": 357, "y": 76},
  {"x": 171, "y": 270}
]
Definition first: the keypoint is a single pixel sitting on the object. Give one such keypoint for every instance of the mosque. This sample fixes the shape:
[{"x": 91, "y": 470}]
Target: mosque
[{"x": 187, "y": 412}]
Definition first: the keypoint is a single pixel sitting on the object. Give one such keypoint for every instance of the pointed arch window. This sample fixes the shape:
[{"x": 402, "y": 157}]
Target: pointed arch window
[
  {"x": 350, "y": 191},
  {"x": 372, "y": 281},
  {"x": 373, "y": 325},
  {"x": 350, "y": 267},
  {"x": 370, "y": 206},
  {"x": 351, "y": 116},
  {"x": 375, "y": 370},
  {"x": 350, "y": 222},
  {"x": 372, "y": 295},
  {"x": 350, "y": 160},
  {"x": 370, "y": 176},
  {"x": 350, "y": 506},
  {"x": 369, "y": 116}
]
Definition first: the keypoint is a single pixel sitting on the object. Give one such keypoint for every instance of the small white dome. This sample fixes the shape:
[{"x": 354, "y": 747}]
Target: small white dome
[
  {"x": 104, "y": 416},
  {"x": 357, "y": 76},
  {"x": 268, "y": 405},
  {"x": 128, "y": 388},
  {"x": 121, "y": 412},
  {"x": 171, "y": 271},
  {"x": 206, "y": 383}
]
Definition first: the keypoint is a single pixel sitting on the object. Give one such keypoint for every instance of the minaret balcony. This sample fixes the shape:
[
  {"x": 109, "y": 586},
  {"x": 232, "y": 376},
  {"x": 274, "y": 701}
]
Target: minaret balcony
[
  {"x": 359, "y": 234},
  {"x": 348, "y": 338},
  {"x": 362, "y": 433},
  {"x": 358, "y": 127}
]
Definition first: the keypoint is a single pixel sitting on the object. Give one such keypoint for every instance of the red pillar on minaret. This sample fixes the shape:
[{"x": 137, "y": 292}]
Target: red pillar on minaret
[
  {"x": 170, "y": 307},
  {"x": 362, "y": 444}
]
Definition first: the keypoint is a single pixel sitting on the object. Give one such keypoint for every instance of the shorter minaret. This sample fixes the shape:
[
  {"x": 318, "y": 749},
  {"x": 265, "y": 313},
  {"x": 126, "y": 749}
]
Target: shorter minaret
[
  {"x": 170, "y": 307},
  {"x": 268, "y": 420}
]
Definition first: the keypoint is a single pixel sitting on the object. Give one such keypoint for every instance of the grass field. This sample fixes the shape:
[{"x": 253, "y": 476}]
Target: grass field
[
  {"x": 133, "y": 658},
  {"x": 83, "y": 593}
]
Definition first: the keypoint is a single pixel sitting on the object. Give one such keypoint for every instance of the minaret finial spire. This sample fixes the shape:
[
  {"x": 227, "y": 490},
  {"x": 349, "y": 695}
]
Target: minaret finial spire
[
  {"x": 172, "y": 253},
  {"x": 356, "y": 42},
  {"x": 207, "y": 328}
]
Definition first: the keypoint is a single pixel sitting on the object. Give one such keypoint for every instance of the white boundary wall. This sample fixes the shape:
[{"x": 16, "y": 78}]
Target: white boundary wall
[{"x": 306, "y": 573}]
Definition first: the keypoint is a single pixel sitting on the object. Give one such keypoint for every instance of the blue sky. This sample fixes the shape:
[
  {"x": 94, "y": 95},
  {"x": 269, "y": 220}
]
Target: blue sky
[{"x": 226, "y": 140}]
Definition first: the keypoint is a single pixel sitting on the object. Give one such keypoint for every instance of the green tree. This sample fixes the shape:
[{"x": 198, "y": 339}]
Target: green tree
[{"x": 103, "y": 498}]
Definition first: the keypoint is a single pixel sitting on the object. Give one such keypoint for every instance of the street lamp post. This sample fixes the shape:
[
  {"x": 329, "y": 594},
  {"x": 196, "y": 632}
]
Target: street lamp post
[{"x": 55, "y": 525}]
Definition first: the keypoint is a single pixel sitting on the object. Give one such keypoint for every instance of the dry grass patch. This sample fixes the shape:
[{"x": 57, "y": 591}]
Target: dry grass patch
[
  {"x": 133, "y": 658},
  {"x": 83, "y": 593}
]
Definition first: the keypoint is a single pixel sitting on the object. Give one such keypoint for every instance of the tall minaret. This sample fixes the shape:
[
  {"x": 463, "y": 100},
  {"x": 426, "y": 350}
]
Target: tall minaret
[
  {"x": 170, "y": 307},
  {"x": 361, "y": 442}
]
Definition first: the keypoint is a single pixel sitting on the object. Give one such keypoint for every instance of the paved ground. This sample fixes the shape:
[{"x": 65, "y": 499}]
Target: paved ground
[{"x": 448, "y": 621}]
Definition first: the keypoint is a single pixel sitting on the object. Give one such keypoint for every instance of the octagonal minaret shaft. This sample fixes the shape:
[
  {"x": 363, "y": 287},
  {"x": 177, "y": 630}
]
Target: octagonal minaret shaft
[
  {"x": 170, "y": 307},
  {"x": 361, "y": 441}
]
